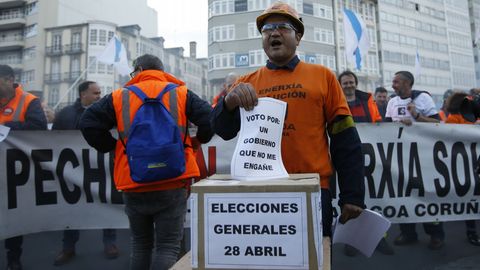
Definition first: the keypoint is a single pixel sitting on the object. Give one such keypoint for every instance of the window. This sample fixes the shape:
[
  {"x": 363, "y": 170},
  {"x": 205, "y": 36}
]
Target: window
[
  {"x": 221, "y": 61},
  {"x": 29, "y": 53},
  {"x": 322, "y": 11},
  {"x": 101, "y": 68},
  {"x": 253, "y": 31},
  {"x": 241, "y": 5},
  {"x": 76, "y": 38},
  {"x": 326, "y": 60},
  {"x": 221, "y": 7},
  {"x": 28, "y": 76},
  {"x": 31, "y": 31},
  {"x": 323, "y": 36},
  {"x": 308, "y": 8},
  {"x": 55, "y": 66},
  {"x": 222, "y": 33},
  {"x": 258, "y": 4},
  {"x": 93, "y": 36},
  {"x": 102, "y": 38},
  {"x": 75, "y": 64},
  {"x": 57, "y": 42},
  {"x": 53, "y": 96},
  {"x": 257, "y": 58},
  {"x": 31, "y": 8}
]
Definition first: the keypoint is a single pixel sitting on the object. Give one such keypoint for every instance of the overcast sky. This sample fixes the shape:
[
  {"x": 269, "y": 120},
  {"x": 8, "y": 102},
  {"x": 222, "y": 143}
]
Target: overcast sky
[{"x": 182, "y": 21}]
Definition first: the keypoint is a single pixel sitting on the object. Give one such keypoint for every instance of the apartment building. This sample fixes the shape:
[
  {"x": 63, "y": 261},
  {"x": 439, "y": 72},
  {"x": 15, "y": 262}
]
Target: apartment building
[
  {"x": 23, "y": 36},
  {"x": 71, "y": 56}
]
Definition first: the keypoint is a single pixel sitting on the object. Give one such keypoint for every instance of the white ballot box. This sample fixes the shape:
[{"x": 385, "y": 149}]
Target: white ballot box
[{"x": 271, "y": 224}]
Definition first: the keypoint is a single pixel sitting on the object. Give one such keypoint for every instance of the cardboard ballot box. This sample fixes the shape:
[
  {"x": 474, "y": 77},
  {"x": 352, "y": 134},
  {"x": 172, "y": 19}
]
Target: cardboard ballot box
[{"x": 271, "y": 224}]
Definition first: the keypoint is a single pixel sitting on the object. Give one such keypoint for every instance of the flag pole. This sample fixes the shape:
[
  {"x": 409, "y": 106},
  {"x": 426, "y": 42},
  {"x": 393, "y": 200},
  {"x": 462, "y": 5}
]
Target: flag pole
[{"x": 74, "y": 83}]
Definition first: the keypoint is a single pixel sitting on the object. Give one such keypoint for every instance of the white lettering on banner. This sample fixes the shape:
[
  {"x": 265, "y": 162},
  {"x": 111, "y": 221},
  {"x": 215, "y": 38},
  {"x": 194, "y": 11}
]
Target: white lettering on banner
[
  {"x": 256, "y": 230},
  {"x": 424, "y": 172},
  {"x": 413, "y": 174},
  {"x": 257, "y": 153},
  {"x": 56, "y": 180}
]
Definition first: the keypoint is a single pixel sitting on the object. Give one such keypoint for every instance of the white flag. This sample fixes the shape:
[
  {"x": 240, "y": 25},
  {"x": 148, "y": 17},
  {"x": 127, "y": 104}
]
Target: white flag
[
  {"x": 115, "y": 54},
  {"x": 418, "y": 67},
  {"x": 356, "y": 37}
]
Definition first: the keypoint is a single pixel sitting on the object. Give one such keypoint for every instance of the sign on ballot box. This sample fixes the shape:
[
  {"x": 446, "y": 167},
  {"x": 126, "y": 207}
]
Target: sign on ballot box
[{"x": 271, "y": 224}]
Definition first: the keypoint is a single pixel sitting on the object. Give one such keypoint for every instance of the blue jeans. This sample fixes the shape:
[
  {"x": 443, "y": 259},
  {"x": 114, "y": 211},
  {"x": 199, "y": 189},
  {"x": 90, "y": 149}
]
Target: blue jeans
[
  {"x": 70, "y": 238},
  {"x": 155, "y": 217}
]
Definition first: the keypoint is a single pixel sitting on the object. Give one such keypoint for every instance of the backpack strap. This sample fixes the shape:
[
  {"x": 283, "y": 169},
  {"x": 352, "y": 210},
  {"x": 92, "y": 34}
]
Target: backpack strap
[
  {"x": 172, "y": 100},
  {"x": 174, "y": 108},
  {"x": 137, "y": 92}
]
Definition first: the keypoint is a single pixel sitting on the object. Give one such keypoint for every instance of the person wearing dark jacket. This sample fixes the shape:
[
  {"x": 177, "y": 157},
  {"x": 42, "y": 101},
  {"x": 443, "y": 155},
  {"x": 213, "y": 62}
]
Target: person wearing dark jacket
[
  {"x": 361, "y": 104},
  {"x": 364, "y": 110},
  {"x": 156, "y": 209},
  {"x": 68, "y": 119},
  {"x": 19, "y": 110}
]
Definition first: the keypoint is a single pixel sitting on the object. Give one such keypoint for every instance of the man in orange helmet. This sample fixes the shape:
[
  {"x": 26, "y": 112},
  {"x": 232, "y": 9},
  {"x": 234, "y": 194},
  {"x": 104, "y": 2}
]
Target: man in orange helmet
[{"x": 316, "y": 106}]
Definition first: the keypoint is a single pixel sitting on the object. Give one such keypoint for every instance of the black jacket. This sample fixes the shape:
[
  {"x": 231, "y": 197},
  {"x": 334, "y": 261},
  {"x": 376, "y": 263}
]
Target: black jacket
[{"x": 69, "y": 117}]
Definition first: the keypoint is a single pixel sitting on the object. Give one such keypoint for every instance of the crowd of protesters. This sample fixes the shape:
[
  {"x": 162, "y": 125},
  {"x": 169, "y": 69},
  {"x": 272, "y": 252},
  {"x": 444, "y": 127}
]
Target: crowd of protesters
[
  {"x": 407, "y": 105},
  {"x": 156, "y": 211}
]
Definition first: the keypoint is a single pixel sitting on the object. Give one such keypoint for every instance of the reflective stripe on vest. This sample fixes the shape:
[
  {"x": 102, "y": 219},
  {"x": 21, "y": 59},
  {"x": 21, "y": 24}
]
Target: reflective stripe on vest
[
  {"x": 126, "y": 111},
  {"x": 19, "y": 109}
]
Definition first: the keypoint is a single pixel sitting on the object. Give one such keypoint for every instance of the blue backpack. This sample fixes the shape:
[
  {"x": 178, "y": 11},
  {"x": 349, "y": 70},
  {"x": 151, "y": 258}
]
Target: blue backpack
[{"x": 154, "y": 148}]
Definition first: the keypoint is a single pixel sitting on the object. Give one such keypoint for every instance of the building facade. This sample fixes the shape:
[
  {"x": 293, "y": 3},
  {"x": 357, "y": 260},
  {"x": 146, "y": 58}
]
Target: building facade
[
  {"x": 23, "y": 36},
  {"x": 438, "y": 30},
  {"x": 71, "y": 57}
]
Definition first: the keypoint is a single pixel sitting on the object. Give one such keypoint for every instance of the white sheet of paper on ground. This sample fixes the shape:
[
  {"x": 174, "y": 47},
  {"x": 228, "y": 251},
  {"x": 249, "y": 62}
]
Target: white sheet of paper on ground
[
  {"x": 363, "y": 232},
  {"x": 257, "y": 155},
  {"x": 4, "y": 130}
]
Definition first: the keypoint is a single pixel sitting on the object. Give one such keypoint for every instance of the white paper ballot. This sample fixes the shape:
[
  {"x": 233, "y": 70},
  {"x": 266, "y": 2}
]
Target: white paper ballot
[
  {"x": 257, "y": 155},
  {"x": 4, "y": 130},
  {"x": 363, "y": 232}
]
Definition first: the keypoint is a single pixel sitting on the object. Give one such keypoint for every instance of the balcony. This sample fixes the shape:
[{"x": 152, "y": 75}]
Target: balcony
[
  {"x": 74, "y": 48},
  {"x": 11, "y": 42},
  {"x": 15, "y": 62},
  {"x": 53, "y": 78},
  {"x": 54, "y": 50},
  {"x": 71, "y": 76},
  {"x": 12, "y": 20},
  {"x": 12, "y": 3}
]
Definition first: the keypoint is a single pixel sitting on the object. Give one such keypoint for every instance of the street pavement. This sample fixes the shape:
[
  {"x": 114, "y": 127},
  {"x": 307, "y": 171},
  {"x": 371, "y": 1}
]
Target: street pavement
[{"x": 40, "y": 251}]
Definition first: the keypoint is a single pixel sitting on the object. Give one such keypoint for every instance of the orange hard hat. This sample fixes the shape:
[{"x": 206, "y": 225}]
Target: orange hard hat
[{"x": 283, "y": 9}]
